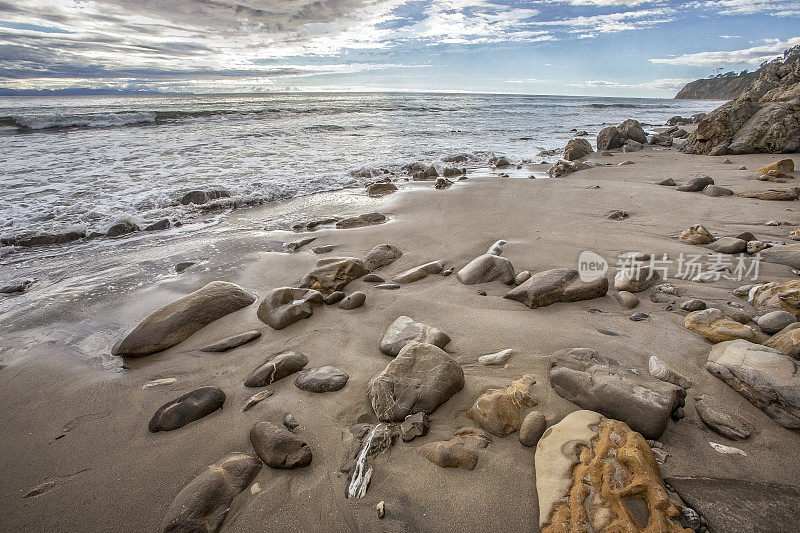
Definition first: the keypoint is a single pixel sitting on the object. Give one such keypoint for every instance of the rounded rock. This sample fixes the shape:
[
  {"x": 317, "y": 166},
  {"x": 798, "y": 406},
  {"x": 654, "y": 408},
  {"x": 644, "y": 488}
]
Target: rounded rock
[
  {"x": 775, "y": 321},
  {"x": 532, "y": 428},
  {"x": 353, "y": 301},
  {"x": 322, "y": 379}
]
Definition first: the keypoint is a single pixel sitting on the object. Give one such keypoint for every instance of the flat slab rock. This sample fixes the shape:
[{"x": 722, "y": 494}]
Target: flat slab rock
[
  {"x": 322, "y": 379},
  {"x": 278, "y": 447},
  {"x": 284, "y": 306},
  {"x": 559, "y": 285},
  {"x": 204, "y": 502},
  {"x": 282, "y": 365},
  {"x": 421, "y": 378},
  {"x": 234, "y": 341},
  {"x": 177, "y": 321},
  {"x": 419, "y": 272},
  {"x": 602, "y": 384},
  {"x": 186, "y": 408},
  {"x": 404, "y": 330}
]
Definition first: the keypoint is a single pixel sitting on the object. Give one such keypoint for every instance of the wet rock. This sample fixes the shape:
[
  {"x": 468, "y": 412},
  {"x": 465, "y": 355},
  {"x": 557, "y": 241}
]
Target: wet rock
[
  {"x": 658, "y": 369},
  {"x": 279, "y": 447},
  {"x": 610, "y": 138},
  {"x": 44, "y": 239},
  {"x": 360, "y": 221},
  {"x": 637, "y": 278},
  {"x": 728, "y": 245},
  {"x": 562, "y": 168},
  {"x": 404, "y": 330},
  {"x": 322, "y": 379},
  {"x": 602, "y": 384},
  {"x": 786, "y": 341},
  {"x": 697, "y": 234},
  {"x": 419, "y": 379},
  {"x": 729, "y": 426},
  {"x": 696, "y": 184},
  {"x": 183, "y": 265},
  {"x": 282, "y": 365},
  {"x": 669, "y": 182},
  {"x": 711, "y": 324},
  {"x": 442, "y": 183},
  {"x": 769, "y": 379},
  {"x": 284, "y": 306},
  {"x": 715, "y": 191},
  {"x": 785, "y": 194},
  {"x": 294, "y": 246},
  {"x": 532, "y": 428},
  {"x": 177, "y": 321},
  {"x": 753, "y": 247},
  {"x": 632, "y": 130},
  {"x": 381, "y": 189},
  {"x": 333, "y": 274},
  {"x": 353, "y": 301},
  {"x": 497, "y": 358},
  {"x": 501, "y": 161},
  {"x": 202, "y": 505},
  {"x": 629, "y": 493},
  {"x": 485, "y": 268},
  {"x": 414, "y": 426},
  {"x": 497, "y": 411},
  {"x": 122, "y": 228},
  {"x": 558, "y": 285},
  {"x": 577, "y": 148},
  {"x": 16, "y": 287},
  {"x": 158, "y": 226},
  {"x": 626, "y": 299},
  {"x": 419, "y": 272},
  {"x": 775, "y": 321},
  {"x": 334, "y": 298},
  {"x": 186, "y": 408},
  {"x": 202, "y": 197},
  {"x": 231, "y": 342},
  {"x": 693, "y": 305},
  {"x": 381, "y": 256}
]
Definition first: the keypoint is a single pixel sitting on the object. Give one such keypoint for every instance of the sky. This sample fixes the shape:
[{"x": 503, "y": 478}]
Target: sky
[{"x": 647, "y": 48}]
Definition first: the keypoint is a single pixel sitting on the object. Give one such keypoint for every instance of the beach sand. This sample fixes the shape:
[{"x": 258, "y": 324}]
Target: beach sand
[{"x": 73, "y": 420}]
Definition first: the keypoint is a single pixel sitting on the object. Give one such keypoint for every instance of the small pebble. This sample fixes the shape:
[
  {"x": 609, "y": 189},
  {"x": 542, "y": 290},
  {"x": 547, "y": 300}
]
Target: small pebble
[
  {"x": 447, "y": 272},
  {"x": 638, "y": 317},
  {"x": 290, "y": 422},
  {"x": 482, "y": 293},
  {"x": 381, "y": 508},
  {"x": 388, "y": 286}
]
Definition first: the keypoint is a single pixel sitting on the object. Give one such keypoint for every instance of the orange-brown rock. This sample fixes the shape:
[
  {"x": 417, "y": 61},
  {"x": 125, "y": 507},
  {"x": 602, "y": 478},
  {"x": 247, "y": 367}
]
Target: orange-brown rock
[
  {"x": 783, "y": 296},
  {"x": 786, "y": 341},
  {"x": 713, "y": 325},
  {"x": 784, "y": 165},
  {"x": 697, "y": 234},
  {"x": 596, "y": 474},
  {"x": 459, "y": 452},
  {"x": 497, "y": 411}
]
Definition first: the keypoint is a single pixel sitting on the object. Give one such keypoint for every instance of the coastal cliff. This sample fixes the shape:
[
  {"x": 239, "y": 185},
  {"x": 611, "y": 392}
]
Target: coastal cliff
[{"x": 726, "y": 87}]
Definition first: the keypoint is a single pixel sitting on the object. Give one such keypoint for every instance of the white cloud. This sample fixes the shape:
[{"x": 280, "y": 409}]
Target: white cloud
[
  {"x": 591, "y": 26},
  {"x": 778, "y": 8},
  {"x": 527, "y": 80},
  {"x": 660, "y": 84},
  {"x": 747, "y": 56}
]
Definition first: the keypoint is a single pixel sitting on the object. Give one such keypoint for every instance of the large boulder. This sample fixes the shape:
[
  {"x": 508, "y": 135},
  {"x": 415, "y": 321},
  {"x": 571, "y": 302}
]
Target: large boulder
[
  {"x": 486, "y": 268},
  {"x": 380, "y": 256},
  {"x": 774, "y": 128},
  {"x": 186, "y": 408},
  {"x": 712, "y": 324},
  {"x": 609, "y": 138},
  {"x": 333, "y": 274},
  {"x": 577, "y": 148},
  {"x": 601, "y": 384},
  {"x": 284, "y": 306},
  {"x": 786, "y": 341},
  {"x": 280, "y": 366},
  {"x": 637, "y": 277},
  {"x": 632, "y": 130},
  {"x": 558, "y": 285},
  {"x": 769, "y": 379},
  {"x": 784, "y": 166},
  {"x": 597, "y": 472},
  {"x": 497, "y": 411},
  {"x": 278, "y": 447},
  {"x": 421, "y": 378},
  {"x": 177, "y": 321},
  {"x": 776, "y": 296},
  {"x": 202, "y": 505},
  {"x": 404, "y": 330}
]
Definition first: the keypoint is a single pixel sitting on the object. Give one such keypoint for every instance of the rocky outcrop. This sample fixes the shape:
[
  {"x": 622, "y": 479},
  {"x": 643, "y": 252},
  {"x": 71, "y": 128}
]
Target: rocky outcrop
[
  {"x": 421, "y": 378},
  {"x": 284, "y": 306},
  {"x": 187, "y": 408},
  {"x": 177, "y": 321},
  {"x": 724, "y": 87},
  {"x": 404, "y": 330},
  {"x": 595, "y": 474},
  {"x": 559, "y": 285},
  {"x": 786, "y": 341}
]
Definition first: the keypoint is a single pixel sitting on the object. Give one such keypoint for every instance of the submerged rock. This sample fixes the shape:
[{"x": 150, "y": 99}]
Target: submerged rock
[
  {"x": 279, "y": 447},
  {"x": 187, "y": 408},
  {"x": 202, "y": 197},
  {"x": 404, "y": 330},
  {"x": 282, "y": 365},
  {"x": 177, "y": 321},
  {"x": 284, "y": 306},
  {"x": 558, "y": 285}
]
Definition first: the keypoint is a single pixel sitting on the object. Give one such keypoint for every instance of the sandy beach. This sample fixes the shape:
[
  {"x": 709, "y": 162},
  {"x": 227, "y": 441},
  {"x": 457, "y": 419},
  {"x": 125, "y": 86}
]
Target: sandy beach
[{"x": 79, "y": 457}]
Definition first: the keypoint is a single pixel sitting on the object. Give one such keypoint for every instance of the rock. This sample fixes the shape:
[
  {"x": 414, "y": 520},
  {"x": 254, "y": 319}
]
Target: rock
[
  {"x": 279, "y": 447},
  {"x": 497, "y": 411},
  {"x": 637, "y": 278},
  {"x": 404, "y": 330},
  {"x": 381, "y": 256},
  {"x": 257, "y": 398},
  {"x": 746, "y": 236},
  {"x": 202, "y": 197},
  {"x": 414, "y": 426},
  {"x": 186, "y": 408},
  {"x": 788, "y": 255},
  {"x": 558, "y": 285},
  {"x": 781, "y": 296},
  {"x": 522, "y": 277},
  {"x": 158, "y": 226},
  {"x": 497, "y": 358},
  {"x": 231, "y": 342},
  {"x": 693, "y": 305},
  {"x": 711, "y": 324},
  {"x": 334, "y": 298},
  {"x": 421, "y": 378},
  {"x": 360, "y": 221},
  {"x": 122, "y": 228},
  {"x": 284, "y": 306},
  {"x": 485, "y": 268},
  {"x": 753, "y": 247},
  {"x": 669, "y": 182},
  {"x": 501, "y": 161},
  {"x": 729, "y": 426},
  {"x": 373, "y": 278},
  {"x": 294, "y": 246},
  {"x": 697, "y": 234},
  {"x": 775, "y": 321},
  {"x": 203, "y": 504},
  {"x": 44, "y": 239},
  {"x": 456, "y": 158},
  {"x": 177, "y": 321},
  {"x": 532, "y": 428},
  {"x": 497, "y": 247},
  {"x": 327, "y": 248},
  {"x": 446, "y": 272},
  {"x": 16, "y": 287},
  {"x": 632, "y": 146},
  {"x": 290, "y": 422},
  {"x": 728, "y": 245},
  {"x": 562, "y": 168},
  {"x": 632, "y": 130},
  {"x": 618, "y": 215},
  {"x": 602, "y": 384},
  {"x": 333, "y": 274},
  {"x": 282, "y": 365},
  {"x": 698, "y": 183},
  {"x": 660, "y": 140},
  {"x": 625, "y": 163},
  {"x": 718, "y": 150},
  {"x": 658, "y": 369},
  {"x": 609, "y": 138},
  {"x": 420, "y": 272},
  {"x": 679, "y": 134},
  {"x": 785, "y": 194},
  {"x": 784, "y": 165},
  {"x": 322, "y": 379},
  {"x": 354, "y": 300},
  {"x": 767, "y": 378},
  {"x": 453, "y": 453},
  {"x": 183, "y": 265},
  {"x": 381, "y": 189},
  {"x": 577, "y": 148},
  {"x": 381, "y": 509},
  {"x": 442, "y": 183},
  {"x": 715, "y": 191},
  {"x": 598, "y": 473},
  {"x": 626, "y": 299},
  {"x": 786, "y": 341},
  {"x": 388, "y": 286},
  {"x": 795, "y": 235}
]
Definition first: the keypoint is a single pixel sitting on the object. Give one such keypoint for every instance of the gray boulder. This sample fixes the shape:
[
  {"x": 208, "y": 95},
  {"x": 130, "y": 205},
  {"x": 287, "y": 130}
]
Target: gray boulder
[
  {"x": 558, "y": 285},
  {"x": 729, "y": 426},
  {"x": 486, "y": 268},
  {"x": 231, "y": 342},
  {"x": 278, "y": 447},
  {"x": 202, "y": 197},
  {"x": 610, "y": 138},
  {"x": 381, "y": 256},
  {"x": 322, "y": 379},
  {"x": 632, "y": 130},
  {"x": 698, "y": 183},
  {"x": 284, "y": 306},
  {"x": 333, "y": 274},
  {"x": 282, "y": 365},
  {"x": 577, "y": 148},
  {"x": 186, "y": 408},
  {"x": 728, "y": 245},
  {"x": 404, "y": 330},
  {"x": 715, "y": 191},
  {"x": 775, "y": 321}
]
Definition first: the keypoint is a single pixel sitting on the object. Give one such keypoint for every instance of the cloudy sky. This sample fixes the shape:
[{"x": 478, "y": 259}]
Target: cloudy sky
[{"x": 590, "y": 47}]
